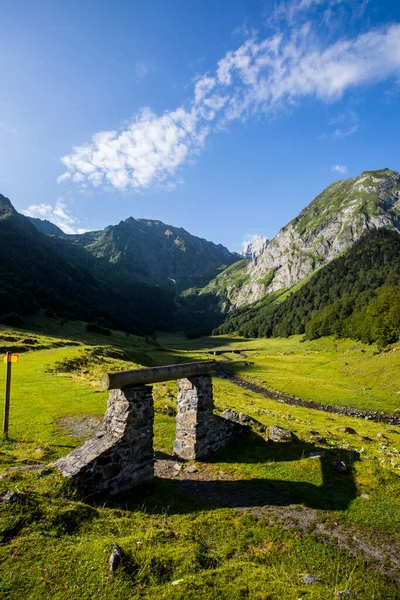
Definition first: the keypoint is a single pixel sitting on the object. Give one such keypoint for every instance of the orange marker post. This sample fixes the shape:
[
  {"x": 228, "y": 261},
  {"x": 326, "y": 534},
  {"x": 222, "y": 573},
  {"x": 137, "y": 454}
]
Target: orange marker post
[{"x": 8, "y": 359}]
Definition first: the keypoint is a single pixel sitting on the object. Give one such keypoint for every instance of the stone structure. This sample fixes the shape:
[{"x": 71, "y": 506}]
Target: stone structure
[
  {"x": 122, "y": 456},
  {"x": 199, "y": 432}
]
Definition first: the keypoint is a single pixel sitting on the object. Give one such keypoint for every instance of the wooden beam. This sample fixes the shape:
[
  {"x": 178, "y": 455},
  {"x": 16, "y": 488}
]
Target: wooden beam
[{"x": 122, "y": 379}]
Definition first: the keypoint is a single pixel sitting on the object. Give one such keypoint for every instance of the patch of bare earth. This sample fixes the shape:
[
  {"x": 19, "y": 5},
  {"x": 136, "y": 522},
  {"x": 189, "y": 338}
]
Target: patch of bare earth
[{"x": 82, "y": 427}]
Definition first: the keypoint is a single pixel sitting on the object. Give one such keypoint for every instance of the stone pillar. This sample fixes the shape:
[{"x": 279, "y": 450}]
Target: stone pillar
[
  {"x": 121, "y": 456},
  {"x": 198, "y": 431}
]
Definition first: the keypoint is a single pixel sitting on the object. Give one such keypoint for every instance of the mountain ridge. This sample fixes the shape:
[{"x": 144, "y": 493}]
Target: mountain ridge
[
  {"x": 154, "y": 249},
  {"x": 327, "y": 226},
  {"x": 143, "y": 269},
  {"x": 254, "y": 247},
  {"x": 356, "y": 295},
  {"x": 46, "y": 227},
  {"x": 334, "y": 220},
  {"x": 41, "y": 271}
]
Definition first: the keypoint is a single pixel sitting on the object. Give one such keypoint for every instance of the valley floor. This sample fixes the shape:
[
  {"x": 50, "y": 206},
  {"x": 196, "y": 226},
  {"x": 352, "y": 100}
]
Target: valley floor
[{"x": 253, "y": 521}]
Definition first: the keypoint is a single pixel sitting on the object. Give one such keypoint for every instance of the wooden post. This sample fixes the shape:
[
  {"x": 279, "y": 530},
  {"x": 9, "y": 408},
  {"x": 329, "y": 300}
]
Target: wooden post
[{"x": 7, "y": 394}]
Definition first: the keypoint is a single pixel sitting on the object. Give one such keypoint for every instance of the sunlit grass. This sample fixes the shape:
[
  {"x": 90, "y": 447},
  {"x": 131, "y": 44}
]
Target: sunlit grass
[{"x": 61, "y": 545}]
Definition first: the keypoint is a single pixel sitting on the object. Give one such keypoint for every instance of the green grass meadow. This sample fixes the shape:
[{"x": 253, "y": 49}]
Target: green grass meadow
[{"x": 256, "y": 518}]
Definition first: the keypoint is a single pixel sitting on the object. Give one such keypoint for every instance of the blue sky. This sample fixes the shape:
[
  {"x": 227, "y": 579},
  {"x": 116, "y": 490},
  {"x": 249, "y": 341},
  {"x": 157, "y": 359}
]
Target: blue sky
[{"x": 225, "y": 117}]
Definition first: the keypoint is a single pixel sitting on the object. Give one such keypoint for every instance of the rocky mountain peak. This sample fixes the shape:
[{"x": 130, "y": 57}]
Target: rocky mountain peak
[
  {"x": 330, "y": 224},
  {"x": 254, "y": 247},
  {"x": 6, "y": 207}
]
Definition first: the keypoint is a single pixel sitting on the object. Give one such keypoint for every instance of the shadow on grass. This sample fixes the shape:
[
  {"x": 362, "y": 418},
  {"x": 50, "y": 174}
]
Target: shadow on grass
[
  {"x": 205, "y": 343},
  {"x": 204, "y": 492}
]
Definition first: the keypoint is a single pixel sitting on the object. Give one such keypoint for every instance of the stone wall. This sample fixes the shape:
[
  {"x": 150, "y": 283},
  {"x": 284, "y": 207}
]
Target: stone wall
[
  {"x": 121, "y": 457},
  {"x": 199, "y": 432}
]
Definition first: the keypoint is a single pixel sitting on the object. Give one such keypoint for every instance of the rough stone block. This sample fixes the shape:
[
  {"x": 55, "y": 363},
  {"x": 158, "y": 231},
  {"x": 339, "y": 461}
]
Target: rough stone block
[
  {"x": 123, "y": 456},
  {"x": 199, "y": 432}
]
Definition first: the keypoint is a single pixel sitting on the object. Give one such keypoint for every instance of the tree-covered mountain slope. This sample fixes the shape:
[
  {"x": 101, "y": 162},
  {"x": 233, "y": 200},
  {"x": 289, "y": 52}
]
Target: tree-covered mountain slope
[
  {"x": 330, "y": 224},
  {"x": 157, "y": 251},
  {"x": 356, "y": 295},
  {"x": 127, "y": 274},
  {"x": 38, "y": 271}
]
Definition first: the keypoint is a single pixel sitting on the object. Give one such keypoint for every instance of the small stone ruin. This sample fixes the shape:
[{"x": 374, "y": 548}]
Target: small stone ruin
[
  {"x": 122, "y": 456},
  {"x": 199, "y": 432}
]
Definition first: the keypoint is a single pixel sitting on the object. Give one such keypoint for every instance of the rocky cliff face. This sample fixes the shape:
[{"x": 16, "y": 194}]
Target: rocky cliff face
[
  {"x": 255, "y": 247},
  {"x": 332, "y": 222}
]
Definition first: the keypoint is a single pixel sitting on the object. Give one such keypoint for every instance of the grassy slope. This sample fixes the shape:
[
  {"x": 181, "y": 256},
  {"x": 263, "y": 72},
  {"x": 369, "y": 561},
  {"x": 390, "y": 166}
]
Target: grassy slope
[
  {"x": 337, "y": 372},
  {"x": 169, "y": 534},
  {"x": 341, "y": 194},
  {"x": 226, "y": 283}
]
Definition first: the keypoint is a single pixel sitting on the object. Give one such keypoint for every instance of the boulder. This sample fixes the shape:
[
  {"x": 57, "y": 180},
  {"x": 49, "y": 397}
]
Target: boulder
[
  {"x": 242, "y": 419},
  {"x": 116, "y": 558},
  {"x": 340, "y": 466},
  {"x": 346, "y": 430},
  {"x": 191, "y": 469},
  {"x": 310, "y": 579},
  {"x": 278, "y": 434},
  {"x": 10, "y": 497}
]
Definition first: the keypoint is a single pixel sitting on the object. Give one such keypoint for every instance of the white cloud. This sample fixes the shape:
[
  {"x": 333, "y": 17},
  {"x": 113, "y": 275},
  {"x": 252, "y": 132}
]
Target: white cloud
[
  {"x": 59, "y": 214},
  {"x": 145, "y": 153},
  {"x": 143, "y": 68},
  {"x": 339, "y": 169},
  {"x": 346, "y": 123},
  {"x": 306, "y": 4},
  {"x": 295, "y": 12},
  {"x": 260, "y": 77}
]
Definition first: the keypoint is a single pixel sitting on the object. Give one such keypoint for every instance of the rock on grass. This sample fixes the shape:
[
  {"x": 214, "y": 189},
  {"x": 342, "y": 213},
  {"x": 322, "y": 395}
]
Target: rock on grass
[
  {"x": 116, "y": 558},
  {"x": 278, "y": 434}
]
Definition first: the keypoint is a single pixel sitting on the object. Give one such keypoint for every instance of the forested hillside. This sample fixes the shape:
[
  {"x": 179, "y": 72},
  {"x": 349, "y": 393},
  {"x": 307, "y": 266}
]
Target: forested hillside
[
  {"x": 42, "y": 272},
  {"x": 357, "y": 295},
  {"x": 125, "y": 276},
  {"x": 156, "y": 251}
]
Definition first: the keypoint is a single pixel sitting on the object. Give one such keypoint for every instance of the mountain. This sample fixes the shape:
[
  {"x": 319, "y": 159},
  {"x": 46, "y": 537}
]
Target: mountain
[
  {"x": 38, "y": 271},
  {"x": 356, "y": 295},
  {"x": 332, "y": 222},
  {"x": 157, "y": 251},
  {"x": 255, "y": 247},
  {"x": 143, "y": 274},
  {"x": 126, "y": 275},
  {"x": 45, "y": 226},
  {"x": 329, "y": 225}
]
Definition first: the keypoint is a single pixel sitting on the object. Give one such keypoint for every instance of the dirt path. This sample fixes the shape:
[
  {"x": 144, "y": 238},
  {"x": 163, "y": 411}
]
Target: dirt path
[{"x": 285, "y": 399}]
